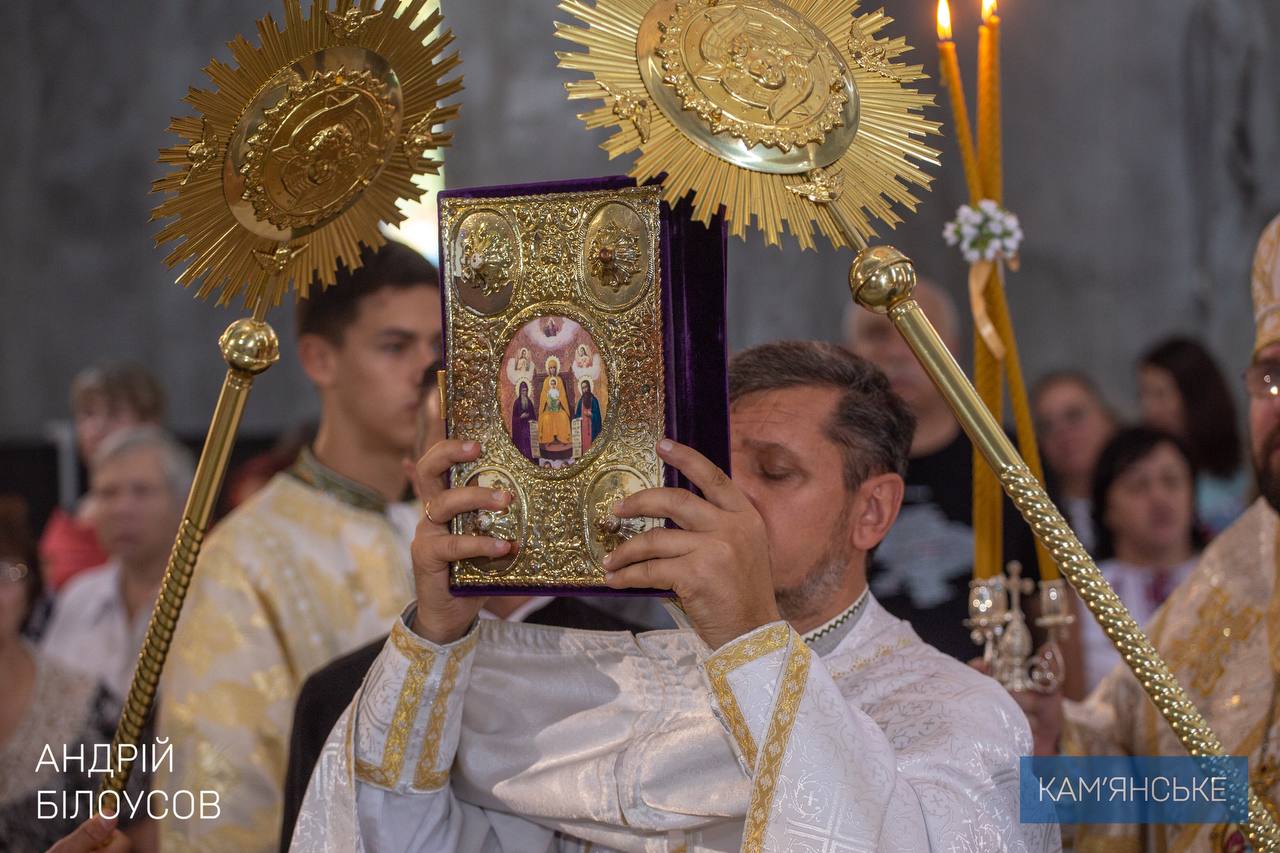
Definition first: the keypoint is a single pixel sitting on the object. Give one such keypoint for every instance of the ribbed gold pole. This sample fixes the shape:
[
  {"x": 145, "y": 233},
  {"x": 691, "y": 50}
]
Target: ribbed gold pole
[
  {"x": 249, "y": 346},
  {"x": 883, "y": 280}
]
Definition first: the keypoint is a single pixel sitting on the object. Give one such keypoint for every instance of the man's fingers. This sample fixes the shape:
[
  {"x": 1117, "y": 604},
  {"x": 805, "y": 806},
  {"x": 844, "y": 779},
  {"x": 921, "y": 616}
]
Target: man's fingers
[
  {"x": 680, "y": 505},
  {"x": 436, "y": 462},
  {"x": 449, "y": 503},
  {"x": 649, "y": 574},
  {"x": 659, "y": 543},
  {"x": 714, "y": 484},
  {"x": 93, "y": 834},
  {"x": 437, "y": 552}
]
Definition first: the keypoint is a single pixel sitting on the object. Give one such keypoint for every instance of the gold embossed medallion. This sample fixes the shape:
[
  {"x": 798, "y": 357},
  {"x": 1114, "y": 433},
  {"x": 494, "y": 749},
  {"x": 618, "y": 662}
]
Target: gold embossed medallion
[
  {"x": 504, "y": 524},
  {"x": 305, "y": 145},
  {"x": 602, "y": 529},
  {"x": 617, "y": 266},
  {"x": 559, "y": 376},
  {"x": 487, "y": 250}
]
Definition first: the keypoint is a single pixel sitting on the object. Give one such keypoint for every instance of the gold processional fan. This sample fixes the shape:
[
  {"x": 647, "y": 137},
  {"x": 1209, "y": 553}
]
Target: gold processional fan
[
  {"x": 795, "y": 114},
  {"x": 303, "y": 147}
]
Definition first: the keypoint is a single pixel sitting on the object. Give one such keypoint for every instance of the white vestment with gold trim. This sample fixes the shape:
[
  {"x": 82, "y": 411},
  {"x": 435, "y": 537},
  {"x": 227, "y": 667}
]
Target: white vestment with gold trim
[{"x": 529, "y": 738}]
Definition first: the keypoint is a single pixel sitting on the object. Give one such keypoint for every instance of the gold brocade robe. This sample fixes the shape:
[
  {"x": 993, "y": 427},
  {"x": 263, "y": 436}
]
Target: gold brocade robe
[
  {"x": 295, "y": 577},
  {"x": 1220, "y": 634}
]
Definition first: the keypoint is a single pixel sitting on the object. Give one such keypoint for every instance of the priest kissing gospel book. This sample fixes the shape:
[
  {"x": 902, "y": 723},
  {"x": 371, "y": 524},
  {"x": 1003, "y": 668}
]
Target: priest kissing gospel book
[{"x": 584, "y": 322}]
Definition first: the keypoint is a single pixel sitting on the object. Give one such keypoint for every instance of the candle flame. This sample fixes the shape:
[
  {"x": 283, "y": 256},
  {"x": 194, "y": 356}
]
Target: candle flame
[
  {"x": 988, "y": 9},
  {"x": 944, "y": 20}
]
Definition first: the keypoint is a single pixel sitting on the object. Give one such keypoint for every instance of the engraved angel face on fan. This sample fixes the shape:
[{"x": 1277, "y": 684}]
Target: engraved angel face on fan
[
  {"x": 319, "y": 147},
  {"x": 758, "y": 60},
  {"x": 755, "y": 70}
]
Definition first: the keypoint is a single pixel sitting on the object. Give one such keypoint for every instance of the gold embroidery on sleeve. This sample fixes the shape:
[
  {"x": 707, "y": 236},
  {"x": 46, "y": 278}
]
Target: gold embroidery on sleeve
[
  {"x": 740, "y": 653},
  {"x": 775, "y": 746},
  {"x": 426, "y": 777},
  {"x": 421, "y": 661}
]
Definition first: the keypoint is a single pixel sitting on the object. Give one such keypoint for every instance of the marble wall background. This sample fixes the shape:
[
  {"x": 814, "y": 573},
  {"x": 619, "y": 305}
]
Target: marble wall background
[{"x": 1143, "y": 155}]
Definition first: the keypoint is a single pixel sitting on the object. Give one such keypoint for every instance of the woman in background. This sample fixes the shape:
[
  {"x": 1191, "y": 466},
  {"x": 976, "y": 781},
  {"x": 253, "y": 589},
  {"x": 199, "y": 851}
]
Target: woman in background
[
  {"x": 1073, "y": 424},
  {"x": 104, "y": 398},
  {"x": 1148, "y": 540},
  {"x": 1181, "y": 390}
]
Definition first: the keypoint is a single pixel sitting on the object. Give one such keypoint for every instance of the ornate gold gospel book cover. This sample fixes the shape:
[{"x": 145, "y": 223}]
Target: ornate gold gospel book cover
[{"x": 562, "y": 348}]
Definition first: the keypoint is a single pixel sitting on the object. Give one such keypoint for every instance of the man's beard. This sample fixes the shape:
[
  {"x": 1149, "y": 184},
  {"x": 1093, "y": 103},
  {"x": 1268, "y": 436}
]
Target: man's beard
[
  {"x": 824, "y": 579},
  {"x": 1268, "y": 477}
]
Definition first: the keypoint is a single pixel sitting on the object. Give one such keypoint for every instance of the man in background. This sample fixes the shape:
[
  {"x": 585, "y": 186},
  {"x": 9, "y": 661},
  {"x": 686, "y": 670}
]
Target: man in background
[
  {"x": 313, "y": 565},
  {"x": 922, "y": 569},
  {"x": 139, "y": 482}
]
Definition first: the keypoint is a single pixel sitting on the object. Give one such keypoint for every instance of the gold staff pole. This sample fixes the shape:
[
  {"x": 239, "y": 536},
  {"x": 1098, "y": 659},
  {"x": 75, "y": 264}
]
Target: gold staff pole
[
  {"x": 249, "y": 346},
  {"x": 883, "y": 280}
]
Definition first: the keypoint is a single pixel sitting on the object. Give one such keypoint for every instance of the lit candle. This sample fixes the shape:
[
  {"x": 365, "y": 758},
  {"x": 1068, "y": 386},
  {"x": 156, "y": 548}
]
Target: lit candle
[
  {"x": 989, "y": 143},
  {"x": 950, "y": 66}
]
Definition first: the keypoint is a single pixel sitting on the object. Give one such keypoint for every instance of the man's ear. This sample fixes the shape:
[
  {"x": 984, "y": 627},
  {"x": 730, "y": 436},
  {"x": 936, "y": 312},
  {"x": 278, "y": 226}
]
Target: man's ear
[
  {"x": 319, "y": 359},
  {"x": 876, "y": 508}
]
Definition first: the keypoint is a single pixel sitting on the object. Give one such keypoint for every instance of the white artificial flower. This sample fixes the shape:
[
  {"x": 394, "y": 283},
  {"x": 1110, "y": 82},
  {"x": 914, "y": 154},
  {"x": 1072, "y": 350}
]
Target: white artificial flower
[{"x": 984, "y": 231}]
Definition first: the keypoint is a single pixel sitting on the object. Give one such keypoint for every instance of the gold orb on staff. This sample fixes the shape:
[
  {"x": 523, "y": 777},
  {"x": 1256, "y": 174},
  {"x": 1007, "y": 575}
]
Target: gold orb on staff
[
  {"x": 796, "y": 114},
  {"x": 306, "y": 143}
]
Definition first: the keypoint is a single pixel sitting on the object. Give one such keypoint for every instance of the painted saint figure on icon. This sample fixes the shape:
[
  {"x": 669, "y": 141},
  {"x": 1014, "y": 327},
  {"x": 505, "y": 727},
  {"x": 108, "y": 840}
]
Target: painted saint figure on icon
[
  {"x": 524, "y": 417},
  {"x": 587, "y": 413},
  {"x": 553, "y": 391},
  {"x": 553, "y": 407}
]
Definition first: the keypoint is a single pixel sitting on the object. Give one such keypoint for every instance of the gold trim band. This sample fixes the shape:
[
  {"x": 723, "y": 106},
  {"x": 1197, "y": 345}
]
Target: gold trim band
[
  {"x": 765, "y": 779},
  {"x": 736, "y": 654},
  {"x": 421, "y": 660},
  {"x": 426, "y": 777}
]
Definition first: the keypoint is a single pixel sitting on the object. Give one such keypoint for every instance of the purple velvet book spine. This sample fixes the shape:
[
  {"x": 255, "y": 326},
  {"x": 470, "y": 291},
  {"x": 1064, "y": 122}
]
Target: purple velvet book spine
[{"x": 693, "y": 262}]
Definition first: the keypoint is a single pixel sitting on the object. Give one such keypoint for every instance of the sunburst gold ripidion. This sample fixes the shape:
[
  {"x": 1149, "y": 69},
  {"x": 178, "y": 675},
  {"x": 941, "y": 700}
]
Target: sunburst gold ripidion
[
  {"x": 792, "y": 113},
  {"x": 304, "y": 145}
]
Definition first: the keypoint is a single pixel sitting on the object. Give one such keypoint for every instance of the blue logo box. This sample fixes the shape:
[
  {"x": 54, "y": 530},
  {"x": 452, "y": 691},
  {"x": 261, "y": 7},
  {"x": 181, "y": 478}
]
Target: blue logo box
[{"x": 1133, "y": 789}]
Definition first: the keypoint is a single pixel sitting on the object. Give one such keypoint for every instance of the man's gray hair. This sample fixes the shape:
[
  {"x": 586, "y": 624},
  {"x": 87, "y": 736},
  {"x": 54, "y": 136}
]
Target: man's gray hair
[
  {"x": 871, "y": 424},
  {"x": 179, "y": 468}
]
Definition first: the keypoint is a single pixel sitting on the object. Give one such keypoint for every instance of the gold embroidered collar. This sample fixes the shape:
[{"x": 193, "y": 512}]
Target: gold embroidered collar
[{"x": 309, "y": 470}]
